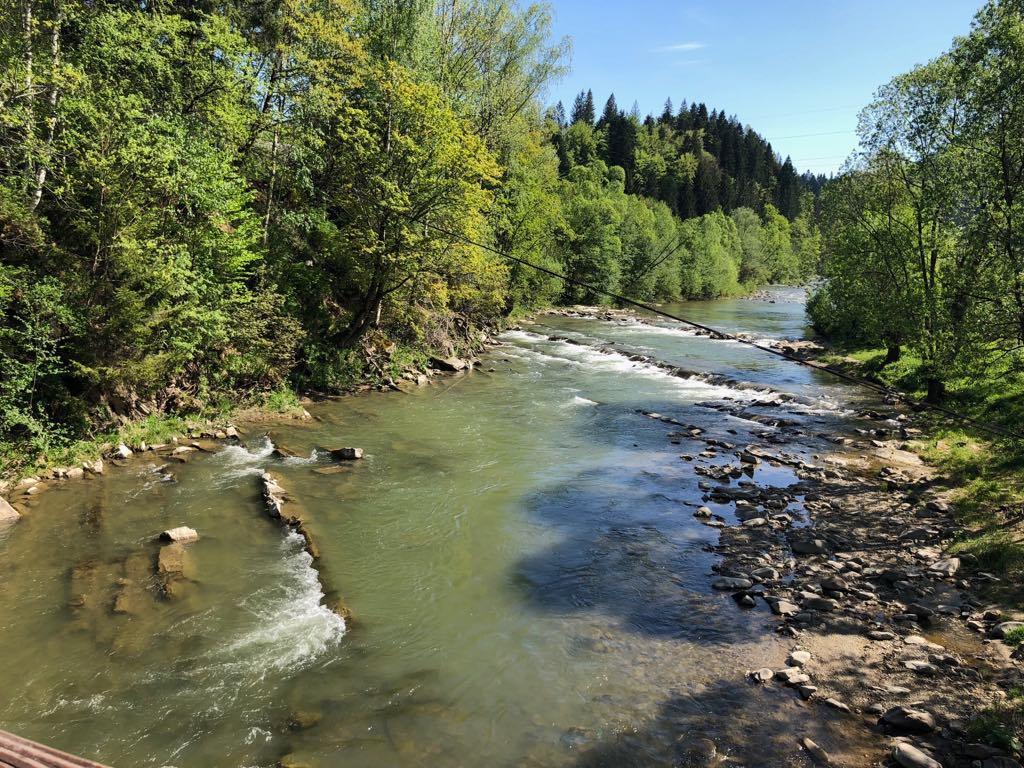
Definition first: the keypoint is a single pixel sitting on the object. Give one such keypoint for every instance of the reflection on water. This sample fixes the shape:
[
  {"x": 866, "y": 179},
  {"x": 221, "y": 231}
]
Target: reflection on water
[{"x": 528, "y": 583}]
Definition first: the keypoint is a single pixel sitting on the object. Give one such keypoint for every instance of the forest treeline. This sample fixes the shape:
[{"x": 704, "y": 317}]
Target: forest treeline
[
  {"x": 202, "y": 202},
  {"x": 924, "y": 229}
]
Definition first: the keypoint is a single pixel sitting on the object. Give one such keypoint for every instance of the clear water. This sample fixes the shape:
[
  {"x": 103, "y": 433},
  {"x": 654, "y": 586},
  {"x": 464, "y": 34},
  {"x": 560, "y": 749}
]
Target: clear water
[{"x": 528, "y": 584}]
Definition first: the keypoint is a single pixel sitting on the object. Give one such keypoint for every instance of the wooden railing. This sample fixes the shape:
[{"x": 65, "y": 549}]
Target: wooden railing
[{"x": 16, "y": 752}]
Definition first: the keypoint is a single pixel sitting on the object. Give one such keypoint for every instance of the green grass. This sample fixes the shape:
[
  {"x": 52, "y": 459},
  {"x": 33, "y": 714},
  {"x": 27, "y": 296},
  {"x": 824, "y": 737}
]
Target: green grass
[
  {"x": 987, "y": 471},
  {"x": 1001, "y": 725},
  {"x": 1014, "y": 637},
  {"x": 281, "y": 401}
]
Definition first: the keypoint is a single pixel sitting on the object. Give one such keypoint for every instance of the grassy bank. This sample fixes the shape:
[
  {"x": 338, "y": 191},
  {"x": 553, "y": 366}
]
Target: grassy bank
[
  {"x": 17, "y": 462},
  {"x": 986, "y": 470}
]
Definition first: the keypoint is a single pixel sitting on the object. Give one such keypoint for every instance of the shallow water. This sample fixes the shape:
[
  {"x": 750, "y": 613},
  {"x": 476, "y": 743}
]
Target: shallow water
[{"x": 528, "y": 583}]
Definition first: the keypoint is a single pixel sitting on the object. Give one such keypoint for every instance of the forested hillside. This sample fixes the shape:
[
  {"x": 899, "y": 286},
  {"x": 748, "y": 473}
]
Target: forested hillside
[
  {"x": 204, "y": 203},
  {"x": 694, "y": 161}
]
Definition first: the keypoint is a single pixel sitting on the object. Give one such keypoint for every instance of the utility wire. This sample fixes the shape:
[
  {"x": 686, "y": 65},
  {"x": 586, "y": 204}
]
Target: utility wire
[{"x": 722, "y": 335}]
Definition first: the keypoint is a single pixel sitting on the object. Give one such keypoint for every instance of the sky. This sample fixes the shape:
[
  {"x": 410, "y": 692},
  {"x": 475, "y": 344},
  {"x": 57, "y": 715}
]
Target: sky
[{"x": 796, "y": 71}]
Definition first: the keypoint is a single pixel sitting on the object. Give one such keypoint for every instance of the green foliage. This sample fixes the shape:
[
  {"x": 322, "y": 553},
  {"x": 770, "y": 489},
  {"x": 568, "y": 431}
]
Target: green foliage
[
  {"x": 924, "y": 245},
  {"x": 213, "y": 204}
]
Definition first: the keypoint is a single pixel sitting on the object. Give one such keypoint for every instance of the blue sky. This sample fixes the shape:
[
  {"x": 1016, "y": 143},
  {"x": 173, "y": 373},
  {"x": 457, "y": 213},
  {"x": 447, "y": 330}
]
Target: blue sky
[{"x": 788, "y": 68}]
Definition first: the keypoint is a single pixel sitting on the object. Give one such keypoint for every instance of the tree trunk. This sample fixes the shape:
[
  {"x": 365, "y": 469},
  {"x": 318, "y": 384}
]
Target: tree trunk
[
  {"x": 892, "y": 353},
  {"x": 936, "y": 391},
  {"x": 54, "y": 95}
]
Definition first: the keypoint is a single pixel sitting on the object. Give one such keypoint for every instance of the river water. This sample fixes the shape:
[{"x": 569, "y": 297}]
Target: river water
[{"x": 518, "y": 548}]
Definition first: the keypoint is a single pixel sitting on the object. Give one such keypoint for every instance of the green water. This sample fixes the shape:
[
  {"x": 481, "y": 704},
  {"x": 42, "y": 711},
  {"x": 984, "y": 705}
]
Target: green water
[{"x": 528, "y": 584}]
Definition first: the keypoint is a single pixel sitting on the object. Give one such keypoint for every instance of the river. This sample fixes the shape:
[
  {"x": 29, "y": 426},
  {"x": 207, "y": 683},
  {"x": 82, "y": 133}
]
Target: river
[{"x": 518, "y": 548}]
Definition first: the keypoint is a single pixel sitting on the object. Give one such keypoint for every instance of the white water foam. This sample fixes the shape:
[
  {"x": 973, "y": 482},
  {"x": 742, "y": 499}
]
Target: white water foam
[
  {"x": 241, "y": 461},
  {"x": 292, "y": 627},
  {"x": 616, "y": 362}
]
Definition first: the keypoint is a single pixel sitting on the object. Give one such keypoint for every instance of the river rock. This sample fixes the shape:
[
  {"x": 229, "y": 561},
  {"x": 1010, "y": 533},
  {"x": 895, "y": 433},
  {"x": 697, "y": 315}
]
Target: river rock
[
  {"x": 881, "y": 635},
  {"x": 1000, "y": 631},
  {"x": 181, "y": 533},
  {"x": 907, "y": 720},
  {"x": 122, "y": 451},
  {"x": 451, "y": 364},
  {"x": 947, "y": 567},
  {"x": 762, "y": 675},
  {"x": 921, "y": 667},
  {"x": 910, "y": 756},
  {"x": 75, "y": 473},
  {"x": 792, "y": 676},
  {"x": 731, "y": 582},
  {"x": 821, "y": 604},
  {"x": 346, "y": 454},
  {"x": 819, "y": 754},
  {"x": 836, "y": 704},
  {"x": 8, "y": 514},
  {"x": 809, "y": 546},
  {"x": 799, "y": 658},
  {"x": 784, "y": 608},
  {"x": 94, "y": 467}
]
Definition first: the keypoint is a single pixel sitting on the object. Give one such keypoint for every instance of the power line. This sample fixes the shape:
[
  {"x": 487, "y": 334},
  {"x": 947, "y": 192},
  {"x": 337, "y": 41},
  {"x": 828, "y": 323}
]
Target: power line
[
  {"x": 822, "y": 133},
  {"x": 723, "y": 335}
]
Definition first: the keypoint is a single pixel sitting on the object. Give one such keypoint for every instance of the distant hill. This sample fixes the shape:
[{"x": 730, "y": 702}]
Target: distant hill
[{"x": 693, "y": 160}]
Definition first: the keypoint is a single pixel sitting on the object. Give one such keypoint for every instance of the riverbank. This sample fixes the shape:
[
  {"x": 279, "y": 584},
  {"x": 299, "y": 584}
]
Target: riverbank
[
  {"x": 896, "y": 622},
  {"x": 590, "y": 547}
]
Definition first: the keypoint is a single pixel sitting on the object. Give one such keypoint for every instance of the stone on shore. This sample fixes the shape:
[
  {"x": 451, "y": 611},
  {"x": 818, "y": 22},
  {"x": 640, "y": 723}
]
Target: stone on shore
[
  {"x": 8, "y": 514},
  {"x": 181, "y": 533},
  {"x": 817, "y": 752},
  {"x": 910, "y": 756},
  {"x": 1000, "y": 631},
  {"x": 947, "y": 567},
  {"x": 907, "y": 720},
  {"x": 799, "y": 658},
  {"x": 730, "y": 582},
  {"x": 451, "y": 364}
]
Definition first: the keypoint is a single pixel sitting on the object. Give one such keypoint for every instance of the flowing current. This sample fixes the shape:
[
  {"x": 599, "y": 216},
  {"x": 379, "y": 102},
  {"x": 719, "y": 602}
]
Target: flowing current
[{"x": 518, "y": 549}]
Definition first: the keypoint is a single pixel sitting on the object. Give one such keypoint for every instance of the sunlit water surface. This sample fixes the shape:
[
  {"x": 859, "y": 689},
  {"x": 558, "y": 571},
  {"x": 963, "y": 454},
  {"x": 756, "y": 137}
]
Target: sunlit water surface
[{"x": 528, "y": 583}]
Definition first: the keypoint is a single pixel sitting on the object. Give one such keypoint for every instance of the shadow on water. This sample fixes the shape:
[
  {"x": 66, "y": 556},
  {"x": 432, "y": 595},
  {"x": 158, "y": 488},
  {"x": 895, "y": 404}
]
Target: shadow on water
[{"x": 727, "y": 721}]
